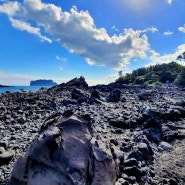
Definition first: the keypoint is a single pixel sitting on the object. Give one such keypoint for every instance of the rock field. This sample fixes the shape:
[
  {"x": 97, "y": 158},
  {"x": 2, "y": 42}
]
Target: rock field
[{"x": 101, "y": 135}]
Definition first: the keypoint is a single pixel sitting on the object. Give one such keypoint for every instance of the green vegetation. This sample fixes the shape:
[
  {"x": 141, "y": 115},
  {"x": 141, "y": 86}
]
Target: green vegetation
[{"x": 155, "y": 75}]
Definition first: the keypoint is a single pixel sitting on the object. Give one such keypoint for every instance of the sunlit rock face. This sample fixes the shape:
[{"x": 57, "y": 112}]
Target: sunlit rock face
[{"x": 65, "y": 152}]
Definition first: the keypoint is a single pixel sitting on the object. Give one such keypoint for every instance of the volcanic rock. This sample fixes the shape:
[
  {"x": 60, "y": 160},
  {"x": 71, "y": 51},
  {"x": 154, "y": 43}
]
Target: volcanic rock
[{"x": 66, "y": 153}]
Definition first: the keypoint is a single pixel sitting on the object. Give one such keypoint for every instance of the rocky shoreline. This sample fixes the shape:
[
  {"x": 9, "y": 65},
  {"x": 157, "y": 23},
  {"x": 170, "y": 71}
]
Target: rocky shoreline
[{"x": 144, "y": 128}]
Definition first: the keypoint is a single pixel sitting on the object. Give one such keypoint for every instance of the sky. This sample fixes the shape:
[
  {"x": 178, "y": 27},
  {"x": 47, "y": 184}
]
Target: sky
[{"x": 64, "y": 39}]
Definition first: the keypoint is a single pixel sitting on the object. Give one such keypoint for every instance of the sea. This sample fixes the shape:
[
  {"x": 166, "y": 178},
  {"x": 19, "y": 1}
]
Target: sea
[{"x": 21, "y": 89}]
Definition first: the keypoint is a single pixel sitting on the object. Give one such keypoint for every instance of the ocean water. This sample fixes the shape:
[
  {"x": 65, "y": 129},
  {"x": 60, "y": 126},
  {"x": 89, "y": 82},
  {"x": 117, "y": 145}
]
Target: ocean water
[{"x": 21, "y": 88}]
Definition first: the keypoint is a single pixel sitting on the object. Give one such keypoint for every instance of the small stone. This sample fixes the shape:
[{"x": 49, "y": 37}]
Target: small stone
[
  {"x": 2, "y": 150},
  {"x": 131, "y": 162},
  {"x": 6, "y": 157},
  {"x": 143, "y": 148},
  {"x": 4, "y": 143},
  {"x": 133, "y": 171},
  {"x": 166, "y": 146}
]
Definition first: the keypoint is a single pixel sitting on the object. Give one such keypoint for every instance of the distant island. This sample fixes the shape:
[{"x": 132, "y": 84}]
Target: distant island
[{"x": 43, "y": 83}]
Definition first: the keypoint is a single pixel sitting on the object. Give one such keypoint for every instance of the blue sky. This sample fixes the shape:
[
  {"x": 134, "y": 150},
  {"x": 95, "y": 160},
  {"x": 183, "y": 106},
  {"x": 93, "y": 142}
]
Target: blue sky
[{"x": 62, "y": 39}]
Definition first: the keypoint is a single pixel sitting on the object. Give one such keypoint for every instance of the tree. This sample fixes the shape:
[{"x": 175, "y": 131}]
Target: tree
[
  {"x": 120, "y": 73},
  {"x": 180, "y": 80}
]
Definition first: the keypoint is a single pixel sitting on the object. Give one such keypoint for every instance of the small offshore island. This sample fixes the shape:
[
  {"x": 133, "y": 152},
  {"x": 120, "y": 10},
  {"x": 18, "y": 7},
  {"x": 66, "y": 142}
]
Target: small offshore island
[
  {"x": 117, "y": 134},
  {"x": 43, "y": 83}
]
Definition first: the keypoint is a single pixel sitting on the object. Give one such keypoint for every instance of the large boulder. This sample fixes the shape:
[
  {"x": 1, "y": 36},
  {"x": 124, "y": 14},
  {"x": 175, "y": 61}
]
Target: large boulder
[
  {"x": 65, "y": 153},
  {"x": 114, "y": 96}
]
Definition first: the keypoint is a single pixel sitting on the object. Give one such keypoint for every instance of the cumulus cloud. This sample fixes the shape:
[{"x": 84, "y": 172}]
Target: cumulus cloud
[
  {"x": 77, "y": 32},
  {"x": 182, "y": 28},
  {"x": 24, "y": 26},
  {"x": 168, "y": 33},
  {"x": 156, "y": 58},
  {"x": 10, "y": 8}
]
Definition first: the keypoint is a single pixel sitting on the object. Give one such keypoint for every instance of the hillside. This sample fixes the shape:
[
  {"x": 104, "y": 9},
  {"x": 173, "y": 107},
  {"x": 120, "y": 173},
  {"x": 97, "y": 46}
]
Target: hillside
[{"x": 155, "y": 75}]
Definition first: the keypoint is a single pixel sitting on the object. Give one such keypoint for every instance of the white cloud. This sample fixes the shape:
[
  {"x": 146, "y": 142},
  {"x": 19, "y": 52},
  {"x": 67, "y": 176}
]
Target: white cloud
[
  {"x": 61, "y": 58},
  {"x": 168, "y": 33},
  {"x": 10, "y": 8},
  {"x": 114, "y": 28},
  {"x": 24, "y": 26},
  {"x": 15, "y": 79},
  {"x": 106, "y": 80},
  {"x": 76, "y": 31},
  {"x": 24, "y": 79},
  {"x": 156, "y": 58},
  {"x": 182, "y": 29},
  {"x": 169, "y": 1},
  {"x": 152, "y": 29}
]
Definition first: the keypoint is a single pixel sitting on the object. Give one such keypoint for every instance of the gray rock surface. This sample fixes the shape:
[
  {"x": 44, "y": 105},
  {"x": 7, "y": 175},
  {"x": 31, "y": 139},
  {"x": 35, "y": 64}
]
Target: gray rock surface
[
  {"x": 142, "y": 131},
  {"x": 66, "y": 153}
]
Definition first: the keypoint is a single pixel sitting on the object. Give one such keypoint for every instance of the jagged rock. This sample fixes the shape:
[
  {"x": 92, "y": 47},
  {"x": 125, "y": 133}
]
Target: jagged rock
[
  {"x": 119, "y": 123},
  {"x": 95, "y": 94},
  {"x": 79, "y": 96},
  {"x": 145, "y": 95},
  {"x": 78, "y": 82},
  {"x": 114, "y": 96},
  {"x": 153, "y": 130},
  {"x": 66, "y": 153}
]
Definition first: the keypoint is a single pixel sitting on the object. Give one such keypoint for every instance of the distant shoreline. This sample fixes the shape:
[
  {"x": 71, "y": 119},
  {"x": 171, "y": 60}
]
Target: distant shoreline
[
  {"x": 13, "y": 89},
  {"x": 3, "y": 86}
]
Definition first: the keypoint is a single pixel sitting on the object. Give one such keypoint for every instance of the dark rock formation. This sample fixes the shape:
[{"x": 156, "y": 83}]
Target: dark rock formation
[
  {"x": 66, "y": 153},
  {"x": 72, "y": 134}
]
